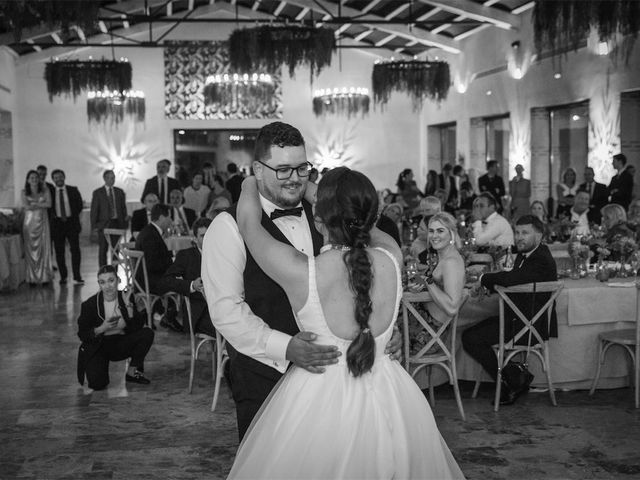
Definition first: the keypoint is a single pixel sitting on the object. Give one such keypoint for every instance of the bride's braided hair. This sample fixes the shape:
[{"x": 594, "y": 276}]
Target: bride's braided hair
[{"x": 347, "y": 205}]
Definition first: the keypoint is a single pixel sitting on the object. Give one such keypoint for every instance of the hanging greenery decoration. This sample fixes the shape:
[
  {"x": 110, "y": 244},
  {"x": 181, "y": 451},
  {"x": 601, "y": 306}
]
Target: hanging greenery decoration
[
  {"x": 17, "y": 15},
  {"x": 563, "y": 26},
  {"x": 71, "y": 77},
  {"x": 341, "y": 101},
  {"x": 113, "y": 106},
  {"x": 420, "y": 79},
  {"x": 269, "y": 47}
]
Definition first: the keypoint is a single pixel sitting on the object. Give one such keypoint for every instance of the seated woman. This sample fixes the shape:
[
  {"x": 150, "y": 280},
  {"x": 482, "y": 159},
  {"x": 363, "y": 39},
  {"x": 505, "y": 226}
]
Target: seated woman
[
  {"x": 408, "y": 190},
  {"x": 614, "y": 221},
  {"x": 566, "y": 190},
  {"x": 429, "y": 206},
  {"x": 111, "y": 330},
  {"x": 538, "y": 210},
  {"x": 445, "y": 280}
]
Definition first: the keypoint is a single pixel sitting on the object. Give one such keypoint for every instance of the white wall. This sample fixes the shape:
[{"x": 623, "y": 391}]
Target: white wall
[{"x": 9, "y": 185}]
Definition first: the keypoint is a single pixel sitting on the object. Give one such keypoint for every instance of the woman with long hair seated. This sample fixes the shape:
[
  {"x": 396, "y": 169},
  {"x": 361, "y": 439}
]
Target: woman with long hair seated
[{"x": 364, "y": 417}]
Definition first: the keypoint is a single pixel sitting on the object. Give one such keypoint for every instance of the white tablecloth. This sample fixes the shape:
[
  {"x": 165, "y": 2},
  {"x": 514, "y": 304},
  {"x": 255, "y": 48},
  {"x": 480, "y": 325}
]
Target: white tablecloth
[{"x": 584, "y": 308}]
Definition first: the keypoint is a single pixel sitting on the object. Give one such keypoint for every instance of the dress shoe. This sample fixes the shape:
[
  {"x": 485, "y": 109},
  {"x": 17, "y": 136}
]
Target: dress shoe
[
  {"x": 508, "y": 395},
  {"x": 63, "y": 281},
  {"x": 175, "y": 326},
  {"x": 137, "y": 377}
]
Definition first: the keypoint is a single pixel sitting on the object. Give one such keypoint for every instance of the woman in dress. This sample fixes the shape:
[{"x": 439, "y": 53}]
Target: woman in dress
[
  {"x": 196, "y": 195},
  {"x": 566, "y": 190},
  {"x": 364, "y": 417},
  {"x": 408, "y": 189},
  {"x": 36, "y": 200},
  {"x": 432, "y": 183}
]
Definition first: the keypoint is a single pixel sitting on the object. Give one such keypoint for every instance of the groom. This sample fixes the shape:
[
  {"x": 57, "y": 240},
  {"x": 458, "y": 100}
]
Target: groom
[{"x": 250, "y": 310}]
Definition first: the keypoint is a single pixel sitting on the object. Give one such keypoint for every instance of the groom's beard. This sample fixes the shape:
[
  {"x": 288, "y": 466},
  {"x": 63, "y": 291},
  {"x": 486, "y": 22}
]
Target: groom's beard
[{"x": 287, "y": 194}]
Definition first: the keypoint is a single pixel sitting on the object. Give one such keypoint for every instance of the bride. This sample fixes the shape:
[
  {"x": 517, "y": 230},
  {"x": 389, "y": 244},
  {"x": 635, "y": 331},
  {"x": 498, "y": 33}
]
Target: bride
[{"x": 364, "y": 417}]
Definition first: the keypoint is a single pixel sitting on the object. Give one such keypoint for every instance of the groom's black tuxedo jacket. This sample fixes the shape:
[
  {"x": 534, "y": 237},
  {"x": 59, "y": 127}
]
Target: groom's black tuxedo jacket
[
  {"x": 537, "y": 267},
  {"x": 266, "y": 298}
]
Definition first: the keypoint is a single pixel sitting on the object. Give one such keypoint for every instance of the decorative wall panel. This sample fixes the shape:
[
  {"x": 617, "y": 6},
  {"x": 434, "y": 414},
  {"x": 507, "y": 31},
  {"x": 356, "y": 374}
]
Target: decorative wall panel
[{"x": 186, "y": 68}]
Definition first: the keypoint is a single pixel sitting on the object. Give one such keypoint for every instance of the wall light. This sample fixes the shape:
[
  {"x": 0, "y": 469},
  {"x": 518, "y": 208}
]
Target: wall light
[
  {"x": 603, "y": 48},
  {"x": 557, "y": 76}
]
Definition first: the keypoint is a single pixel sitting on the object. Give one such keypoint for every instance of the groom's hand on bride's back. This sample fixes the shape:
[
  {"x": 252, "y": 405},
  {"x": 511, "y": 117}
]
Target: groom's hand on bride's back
[{"x": 303, "y": 353}]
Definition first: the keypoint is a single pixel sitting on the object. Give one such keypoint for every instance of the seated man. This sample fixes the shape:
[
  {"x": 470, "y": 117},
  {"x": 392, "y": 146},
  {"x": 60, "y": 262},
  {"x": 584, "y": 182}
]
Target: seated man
[
  {"x": 184, "y": 277},
  {"x": 158, "y": 259},
  {"x": 111, "y": 330},
  {"x": 490, "y": 228},
  {"x": 181, "y": 216},
  {"x": 142, "y": 216},
  {"x": 429, "y": 206},
  {"x": 581, "y": 214},
  {"x": 534, "y": 263}
]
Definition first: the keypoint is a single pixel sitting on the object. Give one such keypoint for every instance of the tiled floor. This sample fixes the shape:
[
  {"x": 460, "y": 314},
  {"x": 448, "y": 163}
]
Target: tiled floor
[{"x": 51, "y": 428}]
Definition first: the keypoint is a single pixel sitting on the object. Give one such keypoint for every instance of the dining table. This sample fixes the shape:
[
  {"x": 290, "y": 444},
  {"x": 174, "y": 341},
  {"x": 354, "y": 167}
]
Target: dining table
[
  {"x": 175, "y": 243},
  {"x": 12, "y": 264},
  {"x": 585, "y": 308}
]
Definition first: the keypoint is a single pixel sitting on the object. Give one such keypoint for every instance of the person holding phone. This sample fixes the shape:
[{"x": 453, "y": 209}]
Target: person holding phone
[{"x": 111, "y": 329}]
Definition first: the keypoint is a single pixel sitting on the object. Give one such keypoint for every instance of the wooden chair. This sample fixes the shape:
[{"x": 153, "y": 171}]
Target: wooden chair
[
  {"x": 114, "y": 254},
  {"x": 629, "y": 339},
  {"x": 135, "y": 262},
  {"x": 507, "y": 351},
  {"x": 437, "y": 351},
  {"x": 218, "y": 355}
]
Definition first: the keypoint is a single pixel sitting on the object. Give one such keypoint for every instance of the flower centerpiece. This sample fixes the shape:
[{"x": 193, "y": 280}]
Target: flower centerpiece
[{"x": 580, "y": 252}]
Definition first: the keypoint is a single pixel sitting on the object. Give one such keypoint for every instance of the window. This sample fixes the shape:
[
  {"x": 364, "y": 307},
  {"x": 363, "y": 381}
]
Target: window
[{"x": 441, "y": 145}]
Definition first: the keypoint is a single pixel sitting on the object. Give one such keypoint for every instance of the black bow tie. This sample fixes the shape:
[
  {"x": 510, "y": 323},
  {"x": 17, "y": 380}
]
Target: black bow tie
[{"x": 277, "y": 213}]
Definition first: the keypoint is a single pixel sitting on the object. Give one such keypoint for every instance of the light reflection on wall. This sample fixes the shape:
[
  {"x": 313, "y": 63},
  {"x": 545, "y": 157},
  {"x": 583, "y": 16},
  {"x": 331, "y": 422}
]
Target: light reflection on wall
[
  {"x": 335, "y": 147},
  {"x": 520, "y": 143}
]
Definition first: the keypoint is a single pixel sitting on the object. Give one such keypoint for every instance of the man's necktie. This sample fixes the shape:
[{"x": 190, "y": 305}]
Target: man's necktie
[
  {"x": 590, "y": 190},
  {"x": 63, "y": 210},
  {"x": 111, "y": 205},
  {"x": 277, "y": 213},
  {"x": 519, "y": 260}
]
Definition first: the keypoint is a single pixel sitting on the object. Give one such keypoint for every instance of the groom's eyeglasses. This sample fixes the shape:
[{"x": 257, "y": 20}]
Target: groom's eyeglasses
[{"x": 284, "y": 173}]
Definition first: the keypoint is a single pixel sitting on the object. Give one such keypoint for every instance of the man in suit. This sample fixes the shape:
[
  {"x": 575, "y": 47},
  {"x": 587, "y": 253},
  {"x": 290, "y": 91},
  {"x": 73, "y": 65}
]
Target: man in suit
[
  {"x": 111, "y": 329},
  {"x": 162, "y": 183},
  {"x": 250, "y": 310},
  {"x": 534, "y": 263},
  {"x": 65, "y": 226},
  {"x": 598, "y": 194},
  {"x": 181, "y": 216},
  {"x": 142, "y": 216},
  {"x": 581, "y": 214},
  {"x": 621, "y": 186},
  {"x": 158, "y": 259},
  {"x": 492, "y": 183},
  {"x": 108, "y": 210},
  {"x": 183, "y": 276},
  {"x": 234, "y": 182}
]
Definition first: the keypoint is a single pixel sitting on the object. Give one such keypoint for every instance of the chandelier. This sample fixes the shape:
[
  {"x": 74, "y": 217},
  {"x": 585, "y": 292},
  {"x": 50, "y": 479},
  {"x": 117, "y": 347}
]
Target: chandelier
[
  {"x": 72, "y": 77},
  {"x": 341, "y": 101},
  {"x": 114, "y": 105},
  {"x": 234, "y": 91}
]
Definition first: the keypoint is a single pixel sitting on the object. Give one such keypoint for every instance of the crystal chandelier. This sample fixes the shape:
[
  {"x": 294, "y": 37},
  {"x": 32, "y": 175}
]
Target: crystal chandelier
[
  {"x": 114, "y": 105},
  {"x": 341, "y": 101}
]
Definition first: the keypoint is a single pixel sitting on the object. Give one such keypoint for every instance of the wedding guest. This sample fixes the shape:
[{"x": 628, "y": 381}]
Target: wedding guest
[
  {"x": 447, "y": 183},
  {"x": 234, "y": 182},
  {"x": 407, "y": 189},
  {"x": 218, "y": 191},
  {"x": 614, "y": 221},
  {"x": 36, "y": 200},
  {"x": 492, "y": 183},
  {"x": 196, "y": 195},
  {"x": 218, "y": 206},
  {"x": 158, "y": 258},
  {"x": 208, "y": 171},
  {"x": 598, "y": 193},
  {"x": 520, "y": 191},
  {"x": 161, "y": 184},
  {"x": 634, "y": 212},
  {"x": 621, "y": 186},
  {"x": 142, "y": 216},
  {"x": 432, "y": 183},
  {"x": 313, "y": 175},
  {"x": 472, "y": 177},
  {"x": 108, "y": 210},
  {"x": 538, "y": 210},
  {"x": 65, "y": 226},
  {"x": 42, "y": 173},
  {"x": 183, "y": 276},
  {"x": 181, "y": 216},
  {"x": 467, "y": 196},
  {"x": 534, "y": 263},
  {"x": 489, "y": 227},
  {"x": 566, "y": 192},
  {"x": 429, "y": 206},
  {"x": 580, "y": 214},
  {"x": 111, "y": 330}
]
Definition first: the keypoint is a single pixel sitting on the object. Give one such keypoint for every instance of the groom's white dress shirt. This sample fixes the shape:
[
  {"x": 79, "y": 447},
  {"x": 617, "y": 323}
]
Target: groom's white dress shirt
[{"x": 223, "y": 263}]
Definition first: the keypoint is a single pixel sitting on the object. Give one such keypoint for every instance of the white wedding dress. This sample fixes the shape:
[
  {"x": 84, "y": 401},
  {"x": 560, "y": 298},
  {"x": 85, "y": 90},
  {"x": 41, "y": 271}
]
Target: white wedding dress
[{"x": 336, "y": 426}]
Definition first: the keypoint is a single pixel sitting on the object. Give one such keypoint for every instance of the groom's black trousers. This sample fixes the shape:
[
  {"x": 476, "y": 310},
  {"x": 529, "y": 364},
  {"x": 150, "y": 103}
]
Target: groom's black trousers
[{"x": 250, "y": 390}]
